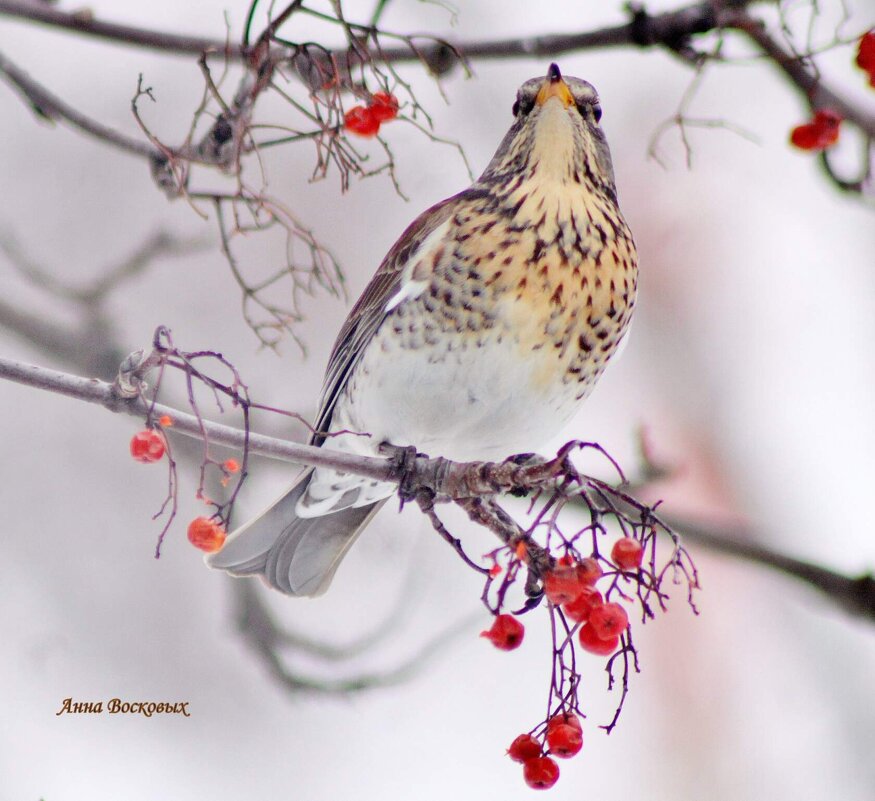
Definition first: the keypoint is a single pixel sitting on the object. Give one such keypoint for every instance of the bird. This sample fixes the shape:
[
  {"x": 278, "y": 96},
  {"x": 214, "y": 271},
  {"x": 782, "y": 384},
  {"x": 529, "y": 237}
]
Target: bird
[{"x": 486, "y": 325}]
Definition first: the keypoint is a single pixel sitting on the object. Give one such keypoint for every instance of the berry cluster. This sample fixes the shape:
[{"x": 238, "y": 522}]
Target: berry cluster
[
  {"x": 366, "y": 120},
  {"x": 205, "y": 533},
  {"x": 563, "y": 738},
  {"x": 569, "y": 586}
]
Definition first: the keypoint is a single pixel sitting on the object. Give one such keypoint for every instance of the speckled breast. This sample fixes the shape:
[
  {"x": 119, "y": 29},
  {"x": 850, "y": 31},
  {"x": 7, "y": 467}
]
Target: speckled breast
[{"x": 551, "y": 268}]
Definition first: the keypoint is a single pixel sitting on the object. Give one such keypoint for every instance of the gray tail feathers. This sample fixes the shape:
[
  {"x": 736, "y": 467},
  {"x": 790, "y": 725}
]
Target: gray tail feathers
[{"x": 296, "y": 555}]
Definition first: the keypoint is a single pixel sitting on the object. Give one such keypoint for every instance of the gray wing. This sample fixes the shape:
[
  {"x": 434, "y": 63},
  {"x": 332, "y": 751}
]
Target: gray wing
[{"x": 369, "y": 310}]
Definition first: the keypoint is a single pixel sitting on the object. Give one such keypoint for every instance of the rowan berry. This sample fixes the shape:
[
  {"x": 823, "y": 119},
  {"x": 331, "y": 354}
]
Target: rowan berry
[
  {"x": 627, "y": 553},
  {"x": 866, "y": 55},
  {"x": 579, "y": 609},
  {"x": 383, "y": 106},
  {"x": 819, "y": 134},
  {"x": 590, "y": 641},
  {"x": 524, "y": 748},
  {"x": 541, "y": 773},
  {"x": 506, "y": 633},
  {"x": 361, "y": 121},
  {"x": 564, "y": 740},
  {"x": 564, "y": 719},
  {"x": 147, "y": 446},
  {"x": 562, "y": 584},
  {"x": 206, "y": 534},
  {"x": 608, "y": 621},
  {"x": 589, "y": 571}
]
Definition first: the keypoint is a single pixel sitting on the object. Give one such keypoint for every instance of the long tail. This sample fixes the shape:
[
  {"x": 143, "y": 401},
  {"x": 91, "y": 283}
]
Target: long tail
[{"x": 296, "y": 555}]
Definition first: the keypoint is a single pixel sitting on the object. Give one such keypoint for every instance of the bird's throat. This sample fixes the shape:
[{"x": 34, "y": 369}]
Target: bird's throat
[{"x": 553, "y": 148}]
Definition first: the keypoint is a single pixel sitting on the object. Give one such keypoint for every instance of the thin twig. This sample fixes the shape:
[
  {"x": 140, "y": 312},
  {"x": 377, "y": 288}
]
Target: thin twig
[{"x": 51, "y": 107}]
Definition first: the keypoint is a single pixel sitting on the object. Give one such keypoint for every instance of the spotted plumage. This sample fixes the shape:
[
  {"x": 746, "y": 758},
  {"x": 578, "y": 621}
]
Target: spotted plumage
[{"x": 487, "y": 323}]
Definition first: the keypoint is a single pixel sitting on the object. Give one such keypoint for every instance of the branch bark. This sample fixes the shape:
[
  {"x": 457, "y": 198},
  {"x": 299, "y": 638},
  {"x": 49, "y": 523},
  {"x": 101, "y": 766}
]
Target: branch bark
[
  {"x": 102, "y": 393},
  {"x": 854, "y": 594},
  {"x": 415, "y": 473},
  {"x": 85, "y": 23}
]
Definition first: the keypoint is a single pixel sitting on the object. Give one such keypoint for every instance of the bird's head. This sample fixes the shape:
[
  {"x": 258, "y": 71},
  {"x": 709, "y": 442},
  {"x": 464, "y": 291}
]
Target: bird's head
[{"x": 556, "y": 135}]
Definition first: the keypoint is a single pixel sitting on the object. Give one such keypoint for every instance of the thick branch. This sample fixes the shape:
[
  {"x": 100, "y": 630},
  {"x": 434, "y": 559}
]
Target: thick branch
[
  {"x": 84, "y": 22},
  {"x": 671, "y": 29},
  {"x": 818, "y": 94},
  {"x": 91, "y": 390},
  {"x": 448, "y": 479},
  {"x": 856, "y": 595}
]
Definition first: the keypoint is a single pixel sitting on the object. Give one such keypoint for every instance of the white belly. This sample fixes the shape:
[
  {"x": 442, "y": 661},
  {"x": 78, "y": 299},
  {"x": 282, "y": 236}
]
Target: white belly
[{"x": 471, "y": 403}]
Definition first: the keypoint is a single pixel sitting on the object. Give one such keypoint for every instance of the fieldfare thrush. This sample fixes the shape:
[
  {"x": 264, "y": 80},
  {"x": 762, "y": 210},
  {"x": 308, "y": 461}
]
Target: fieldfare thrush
[{"x": 486, "y": 325}]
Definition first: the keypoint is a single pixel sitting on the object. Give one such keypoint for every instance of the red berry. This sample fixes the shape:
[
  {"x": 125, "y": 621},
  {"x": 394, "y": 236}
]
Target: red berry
[
  {"x": 627, "y": 553},
  {"x": 383, "y": 106},
  {"x": 564, "y": 741},
  {"x": 524, "y": 748},
  {"x": 828, "y": 123},
  {"x": 822, "y": 132},
  {"x": 562, "y": 584},
  {"x": 506, "y": 633},
  {"x": 541, "y": 773},
  {"x": 588, "y": 571},
  {"x": 165, "y": 420},
  {"x": 206, "y": 534},
  {"x": 866, "y": 55},
  {"x": 590, "y": 641},
  {"x": 578, "y": 610},
  {"x": 231, "y": 465},
  {"x": 564, "y": 719},
  {"x": 147, "y": 446},
  {"x": 361, "y": 121},
  {"x": 608, "y": 621},
  {"x": 805, "y": 137}
]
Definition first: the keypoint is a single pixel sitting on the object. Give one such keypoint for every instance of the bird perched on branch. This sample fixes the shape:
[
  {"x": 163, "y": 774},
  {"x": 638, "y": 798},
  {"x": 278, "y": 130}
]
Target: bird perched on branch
[{"x": 486, "y": 325}]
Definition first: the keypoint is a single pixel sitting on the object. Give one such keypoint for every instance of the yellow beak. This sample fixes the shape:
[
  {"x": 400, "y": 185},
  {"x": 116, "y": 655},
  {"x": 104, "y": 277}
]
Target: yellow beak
[{"x": 554, "y": 86}]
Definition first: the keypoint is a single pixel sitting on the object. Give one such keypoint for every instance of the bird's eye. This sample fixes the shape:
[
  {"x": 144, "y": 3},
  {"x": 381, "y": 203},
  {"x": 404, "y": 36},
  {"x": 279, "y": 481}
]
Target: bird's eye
[
  {"x": 586, "y": 108},
  {"x": 522, "y": 106}
]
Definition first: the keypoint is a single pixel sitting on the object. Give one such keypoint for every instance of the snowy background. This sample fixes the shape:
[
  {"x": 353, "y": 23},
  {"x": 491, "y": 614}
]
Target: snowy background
[{"x": 750, "y": 364}]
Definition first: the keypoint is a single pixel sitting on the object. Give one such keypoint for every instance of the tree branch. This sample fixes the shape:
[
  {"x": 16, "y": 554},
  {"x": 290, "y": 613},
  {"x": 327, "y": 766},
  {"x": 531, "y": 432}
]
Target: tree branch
[
  {"x": 671, "y": 29},
  {"x": 463, "y": 483},
  {"x": 51, "y": 107},
  {"x": 85, "y": 23},
  {"x": 91, "y": 390},
  {"x": 856, "y": 595},
  {"x": 818, "y": 94}
]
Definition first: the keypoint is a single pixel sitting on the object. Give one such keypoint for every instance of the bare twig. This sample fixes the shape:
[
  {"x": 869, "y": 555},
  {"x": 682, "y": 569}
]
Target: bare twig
[{"x": 51, "y": 107}]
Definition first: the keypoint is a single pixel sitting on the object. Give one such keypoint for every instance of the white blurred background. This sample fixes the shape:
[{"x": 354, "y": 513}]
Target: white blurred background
[{"x": 750, "y": 365}]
